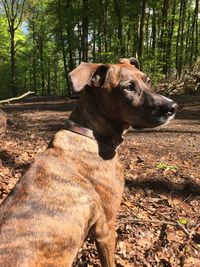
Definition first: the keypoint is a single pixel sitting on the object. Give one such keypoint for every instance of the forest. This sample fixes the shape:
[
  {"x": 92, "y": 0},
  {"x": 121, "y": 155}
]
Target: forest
[{"x": 42, "y": 40}]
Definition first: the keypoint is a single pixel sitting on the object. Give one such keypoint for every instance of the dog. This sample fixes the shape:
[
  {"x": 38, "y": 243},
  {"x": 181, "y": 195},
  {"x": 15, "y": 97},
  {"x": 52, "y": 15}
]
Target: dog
[{"x": 75, "y": 187}]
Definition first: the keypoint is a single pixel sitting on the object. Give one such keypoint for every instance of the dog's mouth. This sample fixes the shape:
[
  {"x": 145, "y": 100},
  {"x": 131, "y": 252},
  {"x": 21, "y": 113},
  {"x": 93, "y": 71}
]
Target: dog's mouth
[
  {"x": 138, "y": 127},
  {"x": 158, "y": 110},
  {"x": 163, "y": 120}
]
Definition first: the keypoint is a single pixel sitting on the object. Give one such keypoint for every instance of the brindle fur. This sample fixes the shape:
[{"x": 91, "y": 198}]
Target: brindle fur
[{"x": 75, "y": 186}]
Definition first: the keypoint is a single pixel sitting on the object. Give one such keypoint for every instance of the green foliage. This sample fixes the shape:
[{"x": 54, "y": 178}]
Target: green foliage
[
  {"x": 4, "y": 57},
  {"x": 4, "y": 37},
  {"x": 183, "y": 221},
  {"x": 164, "y": 166},
  {"x": 58, "y": 34}
]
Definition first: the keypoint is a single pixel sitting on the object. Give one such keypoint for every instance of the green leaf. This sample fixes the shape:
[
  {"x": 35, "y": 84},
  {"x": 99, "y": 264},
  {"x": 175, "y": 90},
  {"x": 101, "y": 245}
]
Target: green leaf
[
  {"x": 164, "y": 166},
  {"x": 183, "y": 221}
]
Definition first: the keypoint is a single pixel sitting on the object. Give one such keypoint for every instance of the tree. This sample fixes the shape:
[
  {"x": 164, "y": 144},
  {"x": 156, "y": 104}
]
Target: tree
[
  {"x": 164, "y": 34},
  {"x": 14, "y": 11},
  {"x": 141, "y": 29}
]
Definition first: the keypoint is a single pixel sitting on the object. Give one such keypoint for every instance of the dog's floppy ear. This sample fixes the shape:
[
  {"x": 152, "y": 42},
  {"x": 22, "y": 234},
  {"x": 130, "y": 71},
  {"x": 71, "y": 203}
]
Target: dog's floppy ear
[
  {"x": 99, "y": 76},
  {"x": 135, "y": 62},
  {"x": 88, "y": 74},
  {"x": 132, "y": 61}
]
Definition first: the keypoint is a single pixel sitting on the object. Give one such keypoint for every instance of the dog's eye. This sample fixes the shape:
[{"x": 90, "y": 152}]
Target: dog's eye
[
  {"x": 148, "y": 81},
  {"x": 130, "y": 87}
]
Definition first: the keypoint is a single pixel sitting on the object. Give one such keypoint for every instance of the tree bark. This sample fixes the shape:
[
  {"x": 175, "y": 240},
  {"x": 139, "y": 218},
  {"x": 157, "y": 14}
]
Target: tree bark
[
  {"x": 182, "y": 37},
  {"x": 154, "y": 31},
  {"x": 41, "y": 52},
  {"x": 13, "y": 66},
  {"x": 63, "y": 46},
  {"x": 163, "y": 35},
  {"x": 194, "y": 45},
  {"x": 34, "y": 59},
  {"x": 170, "y": 31},
  {"x": 197, "y": 31},
  {"x": 141, "y": 29},
  {"x": 94, "y": 43},
  {"x": 121, "y": 51},
  {"x": 49, "y": 78},
  {"x": 178, "y": 41},
  {"x": 85, "y": 31}
]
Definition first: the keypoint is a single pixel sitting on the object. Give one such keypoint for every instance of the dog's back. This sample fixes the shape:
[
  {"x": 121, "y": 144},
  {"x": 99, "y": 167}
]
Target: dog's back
[{"x": 42, "y": 220}]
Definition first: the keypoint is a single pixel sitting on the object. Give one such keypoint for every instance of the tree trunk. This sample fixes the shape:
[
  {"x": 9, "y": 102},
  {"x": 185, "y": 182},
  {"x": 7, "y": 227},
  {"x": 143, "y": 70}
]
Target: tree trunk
[
  {"x": 178, "y": 41},
  {"x": 85, "y": 31},
  {"x": 34, "y": 60},
  {"x": 154, "y": 31},
  {"x": 80, "y": 42},
  {"x": 63, "y": 47},
  {"x": 99, "y": 40},
  {"x": 13, "y": 67},
  {"x": 121, "y": 50},
  {"x": 56, "y": 77},
  {"x": 197, "y": 31},
  {"x": 40, "y": 39},
  {"x": 163, "y": 35},
  {"x": 147, "y": 39},
  {"x": 70, "y": 49},
  {"x": 183, "y": 17},
  {"x": 49, "y": 78},
  {"x": 141, "y": 29},
  {"x": 14, "y": 12},
  {"x": 94, "y": 43},
  {"x": 169, "y": 38},
  {"x": 194, "y": 46}
]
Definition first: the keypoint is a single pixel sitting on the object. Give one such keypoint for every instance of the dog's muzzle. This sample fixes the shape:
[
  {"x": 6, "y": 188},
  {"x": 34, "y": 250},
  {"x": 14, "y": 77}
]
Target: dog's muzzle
[
  {"x": 166, "y": 112},
  {"x": 161, "y": 111}
]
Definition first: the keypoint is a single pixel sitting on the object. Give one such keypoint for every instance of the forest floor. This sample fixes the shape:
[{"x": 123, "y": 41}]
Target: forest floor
[{"x": 158, "y": 223}]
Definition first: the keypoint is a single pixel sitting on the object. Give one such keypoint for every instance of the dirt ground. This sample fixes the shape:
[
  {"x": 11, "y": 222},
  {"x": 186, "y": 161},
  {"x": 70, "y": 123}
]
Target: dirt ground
[{"x": 159, "y": 220}]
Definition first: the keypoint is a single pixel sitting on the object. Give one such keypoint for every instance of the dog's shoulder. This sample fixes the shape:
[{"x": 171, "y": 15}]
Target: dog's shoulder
[{"x": 67, "y": 140}]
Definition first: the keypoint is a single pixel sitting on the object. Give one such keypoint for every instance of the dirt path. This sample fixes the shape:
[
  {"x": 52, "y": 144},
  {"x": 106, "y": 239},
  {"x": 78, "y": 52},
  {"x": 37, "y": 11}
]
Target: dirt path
[{"x": 162, "y": 182}]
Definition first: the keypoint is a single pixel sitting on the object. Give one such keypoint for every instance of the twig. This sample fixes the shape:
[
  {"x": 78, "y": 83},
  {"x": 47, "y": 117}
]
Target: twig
[
  {"x": 197, "y": 226},
  {"x": 186, "y": 198},
  {"x": 147, "y": 221},
  {"x": 182, "y": 227},
  {"x": 193, "y": 232},
  {"x": 173, "y": 223},
  {"x": 16, "y": 98},
  {"x": 170, "y": 221}
]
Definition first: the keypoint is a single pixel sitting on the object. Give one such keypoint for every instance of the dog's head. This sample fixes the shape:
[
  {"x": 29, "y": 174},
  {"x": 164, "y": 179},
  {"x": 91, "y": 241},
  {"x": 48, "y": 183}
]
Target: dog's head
[{"x": 124, "y": 93}]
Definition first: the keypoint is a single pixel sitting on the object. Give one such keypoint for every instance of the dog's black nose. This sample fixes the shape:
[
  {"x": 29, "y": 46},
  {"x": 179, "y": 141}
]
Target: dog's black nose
[{"x": 172, "y": 108}]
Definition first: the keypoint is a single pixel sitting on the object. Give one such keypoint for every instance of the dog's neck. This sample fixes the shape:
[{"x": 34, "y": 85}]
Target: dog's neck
[{"x": 88, "y": 115}]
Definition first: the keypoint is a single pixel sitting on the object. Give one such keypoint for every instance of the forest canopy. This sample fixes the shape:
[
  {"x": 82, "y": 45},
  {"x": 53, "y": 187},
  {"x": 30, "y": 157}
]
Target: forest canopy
[{"x": 42, "y": 40}]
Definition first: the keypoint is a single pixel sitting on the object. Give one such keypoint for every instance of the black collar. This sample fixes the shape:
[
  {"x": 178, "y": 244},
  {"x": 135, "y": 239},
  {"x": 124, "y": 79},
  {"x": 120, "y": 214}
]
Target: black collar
[
  {"x": 92, "y": 134},
  {"x": 107, "y": 146}
]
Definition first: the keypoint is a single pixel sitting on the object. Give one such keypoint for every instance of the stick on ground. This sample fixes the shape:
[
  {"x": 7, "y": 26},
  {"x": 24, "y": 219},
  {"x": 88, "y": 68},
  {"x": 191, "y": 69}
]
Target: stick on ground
[{"x": 16, "y": 98}]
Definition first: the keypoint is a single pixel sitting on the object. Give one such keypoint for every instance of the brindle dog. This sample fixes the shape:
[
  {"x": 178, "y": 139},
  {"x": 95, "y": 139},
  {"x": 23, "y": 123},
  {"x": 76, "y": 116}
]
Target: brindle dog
[{"x": 75, "y": 186}]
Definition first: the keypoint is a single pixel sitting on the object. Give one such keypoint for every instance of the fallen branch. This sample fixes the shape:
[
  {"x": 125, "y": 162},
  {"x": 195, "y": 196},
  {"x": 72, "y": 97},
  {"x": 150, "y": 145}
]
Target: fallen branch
[
  {"x": 176, "y": 223},
  {"x": 173, "y": 223},
  {"x": 147, "y": 221},
  {"x": 16, "y": 98},
  {"x": 167, "y": 221},
  {"x": 193, "y": 232}
]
